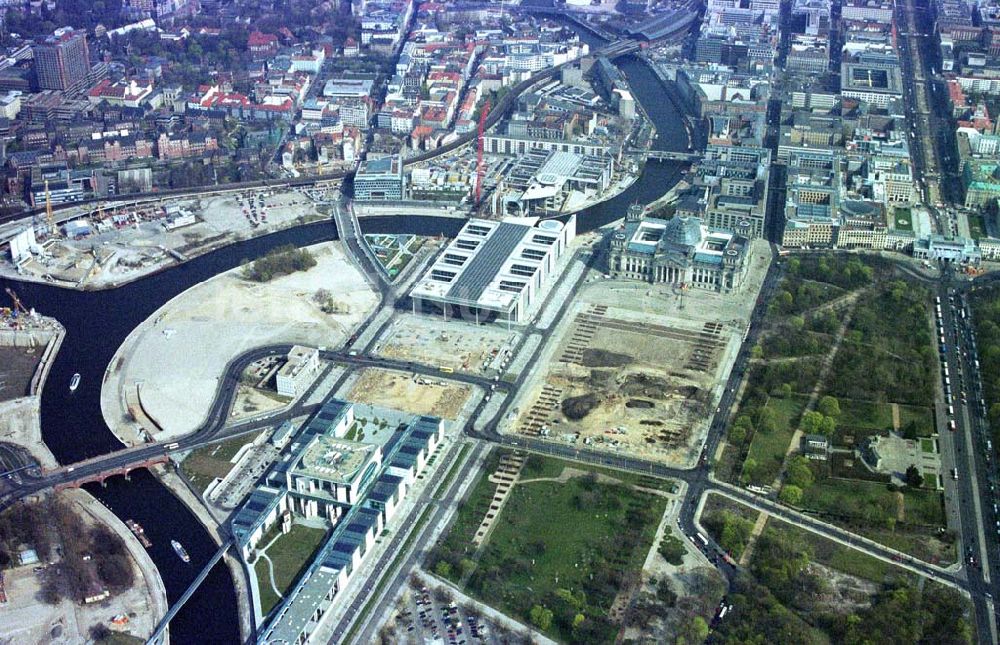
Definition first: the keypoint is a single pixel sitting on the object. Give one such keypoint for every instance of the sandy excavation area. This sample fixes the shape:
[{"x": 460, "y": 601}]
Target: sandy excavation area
[
  {"x": 171, "y": 364},
  {"x": 416, "y": 395},
  {"x": 630, "y": 383}
]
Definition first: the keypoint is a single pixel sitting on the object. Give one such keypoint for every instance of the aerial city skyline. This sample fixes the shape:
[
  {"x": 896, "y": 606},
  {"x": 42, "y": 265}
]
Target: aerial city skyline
[{"x": 529, "y": 321}]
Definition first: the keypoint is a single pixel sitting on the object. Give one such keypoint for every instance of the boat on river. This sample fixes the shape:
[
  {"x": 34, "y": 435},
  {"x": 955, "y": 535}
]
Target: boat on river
[{"x": 180, "y": 550}]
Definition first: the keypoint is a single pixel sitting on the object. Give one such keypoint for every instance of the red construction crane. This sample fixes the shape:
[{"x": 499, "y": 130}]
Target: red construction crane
[
  {"x": 18, "y": 305},
  {"x": 480, "y": 168}
]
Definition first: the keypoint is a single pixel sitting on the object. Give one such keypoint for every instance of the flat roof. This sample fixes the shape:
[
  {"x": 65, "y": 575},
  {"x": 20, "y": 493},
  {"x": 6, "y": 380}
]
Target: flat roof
[
  {"x": 334, "y": 459},
  {"x": 484, "y": 265}
]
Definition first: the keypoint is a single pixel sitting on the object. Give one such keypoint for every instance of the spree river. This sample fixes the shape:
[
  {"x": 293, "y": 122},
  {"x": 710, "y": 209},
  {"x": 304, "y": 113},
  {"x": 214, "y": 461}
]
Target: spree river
[{"x": 97, "y": 322}]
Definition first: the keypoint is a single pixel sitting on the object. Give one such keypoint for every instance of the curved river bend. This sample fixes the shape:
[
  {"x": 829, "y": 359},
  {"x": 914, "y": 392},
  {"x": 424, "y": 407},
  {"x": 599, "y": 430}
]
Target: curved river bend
[{"x": 97, "y": 322}]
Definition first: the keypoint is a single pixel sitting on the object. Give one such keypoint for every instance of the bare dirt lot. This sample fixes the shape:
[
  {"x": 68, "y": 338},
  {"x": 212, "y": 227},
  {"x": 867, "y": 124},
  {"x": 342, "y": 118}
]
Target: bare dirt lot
[
  {"x": 17, "y": 366},
  {"x": 637, "y": 368},
  {"x": 177, "y": 355},
  {"x": 459, "y": 345},
  {"x": 401, "y": 391},
  {"x": 634, "y": 386}
]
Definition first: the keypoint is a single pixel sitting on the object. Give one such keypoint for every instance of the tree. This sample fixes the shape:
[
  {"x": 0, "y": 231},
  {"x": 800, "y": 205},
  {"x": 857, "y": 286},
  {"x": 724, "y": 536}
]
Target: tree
[
  {"x": 785, "y": 390},
  {"x": 791, "y": 494},
  {"x": 443, "y": 569},
  {"x": 541, "y": 617},
  {"x": 827, "y": 426},
  {"x": 798, "y": 473},
  {"x": 811, "y": 421},
  {"x": 672, "y": 549},
  {"x": 829, "y": 406},
  {"x": 913, "y": 477},
  {"x": 767, "y": 420}
]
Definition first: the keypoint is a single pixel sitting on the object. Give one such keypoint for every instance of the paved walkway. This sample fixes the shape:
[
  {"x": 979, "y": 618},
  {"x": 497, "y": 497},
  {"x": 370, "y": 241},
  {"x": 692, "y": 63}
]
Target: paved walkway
[
  {"x": 758, "y": 528},
  {"x": 270, "y": 574}
]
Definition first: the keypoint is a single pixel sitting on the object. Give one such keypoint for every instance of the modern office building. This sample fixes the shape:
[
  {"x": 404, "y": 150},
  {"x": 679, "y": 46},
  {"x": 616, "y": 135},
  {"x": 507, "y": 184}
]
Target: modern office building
[
  {"x": 379, "y": 180},
  {"x": 542, "y": 182},
  {"x": 355, "y": 487},
  {"x": 300, "y": 366},
  {"x": 680, "y": 251},
  {"x": 495, "y": 268},
  {"x": 62, "y": 62},
  {"x": 876, "y": 84}
]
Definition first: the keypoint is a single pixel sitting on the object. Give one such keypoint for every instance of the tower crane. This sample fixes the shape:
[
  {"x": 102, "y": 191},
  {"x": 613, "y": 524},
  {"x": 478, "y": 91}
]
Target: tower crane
[{"x": 18, "y": 305}]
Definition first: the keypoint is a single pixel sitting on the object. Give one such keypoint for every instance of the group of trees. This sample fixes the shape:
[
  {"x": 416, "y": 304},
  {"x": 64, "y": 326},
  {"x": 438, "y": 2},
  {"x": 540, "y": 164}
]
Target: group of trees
[
  {"x": 731, "y": 531},
  {"x": 887, "y": 357},
  {"x": 93, "y": 558},
  {"x": 672, "y": 549},
  {"x": 785, "y": 600},
  {"x": 24, "y": 524},
  {"x": 844, "y": 271},
  {"x": 986, "y": 317},
  {"x": 278, "y": 262},
  {"x": 799, "y": 478}
]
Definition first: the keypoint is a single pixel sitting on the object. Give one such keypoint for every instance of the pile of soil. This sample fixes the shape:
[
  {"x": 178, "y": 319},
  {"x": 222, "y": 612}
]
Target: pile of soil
[
  {"x": 604, "y": 358},
  {"x": 577, "y": 407},
  {"x": 645, "y": 385}
]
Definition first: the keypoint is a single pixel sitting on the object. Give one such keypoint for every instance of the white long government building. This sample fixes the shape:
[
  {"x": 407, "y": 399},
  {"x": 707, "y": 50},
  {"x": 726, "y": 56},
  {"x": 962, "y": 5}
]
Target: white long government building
[{"x": 495, "y": 268}]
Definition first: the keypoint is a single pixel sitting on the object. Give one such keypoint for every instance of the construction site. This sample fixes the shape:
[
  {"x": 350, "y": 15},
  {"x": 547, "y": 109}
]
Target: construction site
[
  {"x": 636, "y": 369},
  {"x": 459, "y": 345},
  {"x": 28, "y": 342},
  {"x": 120, "y": 242},
  {"x": 410, "y": 393}
]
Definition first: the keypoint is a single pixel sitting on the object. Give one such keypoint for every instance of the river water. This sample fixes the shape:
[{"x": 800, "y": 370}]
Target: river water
[{"x": 98, "y": 322}]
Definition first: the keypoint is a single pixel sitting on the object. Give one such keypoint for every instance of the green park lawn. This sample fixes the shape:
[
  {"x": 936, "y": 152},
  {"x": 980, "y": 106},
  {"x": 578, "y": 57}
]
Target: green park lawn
[
  {"x": 205, "y": 464},
  {"x": 977, "y": 228},
  {"x": 923, "y": 416},
  {"x": 289, "y": 554},
  {"x": 865, "y": 414},
  {"x": 538, "y": 466},
  {"x": 871, "y": 509},
  {"x": 569, "y": 536},
  {"x": 768, "y": 449}
]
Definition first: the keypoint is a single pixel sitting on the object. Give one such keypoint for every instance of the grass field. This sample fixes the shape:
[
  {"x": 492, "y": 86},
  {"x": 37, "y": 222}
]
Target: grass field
[
  {"x": 928, "y": 445},
  {"x": 851, "y": 499},
  {"x": 532, "y": 551},
  {"x": 923, "y": 507},
  {"x": 903, "y": 219},
  {"x": 289, "y": 554},
  {"x": 871, "y": 509},
  {"x": 538, "y": 466},
  {"x": 473, "y": 508},
  {"x": 923, "y": 417},
  {"x": 768, "y": 449},
  {"x": 203, "y": 465},
  {"x": 977, "y": 228},
  {"x": 837, "y": 556},
  {"x": 865, "y": 414}
]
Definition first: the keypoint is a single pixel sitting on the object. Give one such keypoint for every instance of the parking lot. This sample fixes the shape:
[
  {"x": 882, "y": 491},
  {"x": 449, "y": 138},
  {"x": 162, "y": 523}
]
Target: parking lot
[{"x": 425, "y": 616}]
